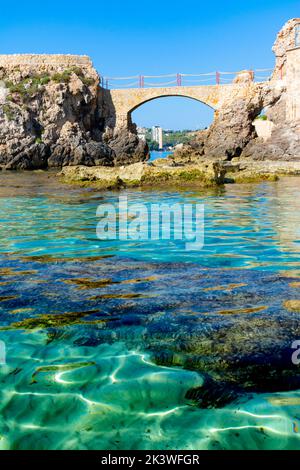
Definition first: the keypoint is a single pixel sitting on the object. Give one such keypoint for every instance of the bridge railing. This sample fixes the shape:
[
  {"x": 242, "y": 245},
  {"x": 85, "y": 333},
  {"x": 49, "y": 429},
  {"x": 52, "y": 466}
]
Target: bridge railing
[{"x": 184, "y": 79}]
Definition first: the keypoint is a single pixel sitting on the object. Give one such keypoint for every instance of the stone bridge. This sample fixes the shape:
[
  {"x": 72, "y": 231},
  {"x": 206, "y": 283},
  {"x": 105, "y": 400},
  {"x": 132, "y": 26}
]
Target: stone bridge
[
  {"x": 120, "y": 103},
  {"x": 236, "y": 103}
]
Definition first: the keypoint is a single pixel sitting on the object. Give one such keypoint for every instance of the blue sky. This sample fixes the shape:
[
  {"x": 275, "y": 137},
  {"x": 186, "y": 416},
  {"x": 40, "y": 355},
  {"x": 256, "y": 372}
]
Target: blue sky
[{"x": 154, "y": 37}]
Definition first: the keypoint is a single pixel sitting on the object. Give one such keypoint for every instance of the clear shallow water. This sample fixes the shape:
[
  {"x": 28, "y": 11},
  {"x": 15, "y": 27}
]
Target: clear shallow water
[{"x": 110, "y": 345}]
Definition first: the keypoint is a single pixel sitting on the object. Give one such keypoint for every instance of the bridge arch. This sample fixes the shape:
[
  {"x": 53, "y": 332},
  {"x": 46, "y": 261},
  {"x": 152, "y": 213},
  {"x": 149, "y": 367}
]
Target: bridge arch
[
  {"x": 171, "y": 95},
  {"x": 126, "y": 101}
]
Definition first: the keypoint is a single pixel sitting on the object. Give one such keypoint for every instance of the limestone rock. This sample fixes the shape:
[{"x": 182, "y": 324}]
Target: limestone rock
[
  {"x": 143, "y": 174},
  {"x": 245, "y": 76},
  {"x": 285, "y": 40},
  {"x": 50, "y": 115},
  {"x": 128, "y": 148},
  {"x": 31, "y": 158}
]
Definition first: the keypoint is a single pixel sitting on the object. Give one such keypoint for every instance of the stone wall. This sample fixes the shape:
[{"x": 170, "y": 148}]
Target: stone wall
[
  {"x": 293, "y": 85},
  {"x": 57, "y": 61},
  {"x": 22, "y": 65},
  {"x": 285, "y": 41}
]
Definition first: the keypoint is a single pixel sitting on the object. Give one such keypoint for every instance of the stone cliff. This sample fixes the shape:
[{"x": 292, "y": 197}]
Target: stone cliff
[
  {"x": 54, "y": 113},
  {"x": 51, "y": 115},
  {"x": 233, "y": 133}
]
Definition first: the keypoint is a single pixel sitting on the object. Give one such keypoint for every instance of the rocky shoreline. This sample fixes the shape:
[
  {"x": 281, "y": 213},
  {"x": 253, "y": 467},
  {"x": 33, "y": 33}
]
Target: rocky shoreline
[
  {"x": 166, "y": 173},
  {"x": 54, "y": 113}
]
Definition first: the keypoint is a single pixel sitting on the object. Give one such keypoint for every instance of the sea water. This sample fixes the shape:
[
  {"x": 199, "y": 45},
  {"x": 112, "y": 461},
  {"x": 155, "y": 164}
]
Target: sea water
[{"x": 104, "y": 342}]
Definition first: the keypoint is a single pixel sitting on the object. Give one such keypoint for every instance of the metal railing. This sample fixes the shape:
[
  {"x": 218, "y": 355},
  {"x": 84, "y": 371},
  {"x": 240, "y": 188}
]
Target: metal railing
[{"x": 183, "y": 79}]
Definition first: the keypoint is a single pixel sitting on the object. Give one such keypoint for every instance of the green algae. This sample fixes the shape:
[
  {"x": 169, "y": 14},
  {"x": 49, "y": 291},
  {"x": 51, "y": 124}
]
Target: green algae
[
  {"x": 229, "y": 287},
  {"x": 186, "y": 176},
  {"x": 295, "y": 285},
  {"x": 63, "y": 259},
  {"x": 7, "y": 272},
  {"x": 52, "y": 320},
  {"x": 23, "y": 310},
  {"x": 138, "y": 280},
  {"x": 252, "y": 177},
  {"x": 292, "y": 305},
  {"x": 120, "y": 296},
  {"x": 5, "y": 298},
  {"x": 86, "y": 283},
  {"x": 241, "y": 311}
]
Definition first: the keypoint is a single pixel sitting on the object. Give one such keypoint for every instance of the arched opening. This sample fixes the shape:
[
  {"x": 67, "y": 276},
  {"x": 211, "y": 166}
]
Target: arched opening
[
  {"x": 263, "y": 125},
  {"x": 169, "y": 121}
]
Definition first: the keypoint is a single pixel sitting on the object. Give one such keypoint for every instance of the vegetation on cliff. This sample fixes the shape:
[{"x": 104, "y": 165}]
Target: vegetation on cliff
[{"x": 51, "y": 115}]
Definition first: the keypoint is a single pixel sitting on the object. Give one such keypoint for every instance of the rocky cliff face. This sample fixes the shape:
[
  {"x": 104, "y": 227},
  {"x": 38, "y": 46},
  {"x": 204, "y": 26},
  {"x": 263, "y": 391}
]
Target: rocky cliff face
[
  {"x": 232, "y": 133},
  {"x": 232, "y": 129},
  {"x": 53, "y": 113},
  {"x": 50, "y": 115}
]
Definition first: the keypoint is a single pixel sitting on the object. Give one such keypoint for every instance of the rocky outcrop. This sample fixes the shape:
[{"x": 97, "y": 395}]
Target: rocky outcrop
[
  {"x": 232, "y": 133},
  {"x": 126, "y": 145},
  {"x": 233, "y": 127},
  {"x": 50, "y": 115},
  {"x": 53, "y": 113},
  {"x": 160, "y": 172},
  {"x": 284, "y": 42}
]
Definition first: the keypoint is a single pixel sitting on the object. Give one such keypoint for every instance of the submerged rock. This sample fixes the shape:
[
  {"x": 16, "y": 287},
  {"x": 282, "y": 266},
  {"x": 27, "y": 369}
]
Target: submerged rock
[{"x": 247, "y": 350}]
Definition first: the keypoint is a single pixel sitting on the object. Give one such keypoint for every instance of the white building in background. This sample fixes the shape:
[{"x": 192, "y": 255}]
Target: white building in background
[
  {"x": 157, "y": 135},
  {"x": 141, "y": 132}
]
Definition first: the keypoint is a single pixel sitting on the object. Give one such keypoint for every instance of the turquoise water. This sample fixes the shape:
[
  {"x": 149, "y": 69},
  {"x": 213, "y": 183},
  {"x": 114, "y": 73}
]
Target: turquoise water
[
  {"x": 159, "y": 154},
  {"x": 145, "y": 345}
]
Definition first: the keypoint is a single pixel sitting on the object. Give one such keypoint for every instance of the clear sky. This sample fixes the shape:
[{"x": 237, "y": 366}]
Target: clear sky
[{"x": 153, "y": 37}]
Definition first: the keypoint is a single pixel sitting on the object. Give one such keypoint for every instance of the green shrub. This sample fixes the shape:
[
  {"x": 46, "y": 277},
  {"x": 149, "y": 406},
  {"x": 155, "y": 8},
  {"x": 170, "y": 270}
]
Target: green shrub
[
  {"x": 65, "y": 76},
  {"x": 8, "y": 111},
  {"x": 261, "y": 117},
  {"x": 28, "y": 87},
  {"x": 87, "y": 81}
]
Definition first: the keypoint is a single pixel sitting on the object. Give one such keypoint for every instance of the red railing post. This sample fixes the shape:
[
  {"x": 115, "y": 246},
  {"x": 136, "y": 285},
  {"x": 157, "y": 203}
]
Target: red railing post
[
  {"x": 179, "y": 79},
  {"x": 141, "y": 81},
  {"x": 218, "y": 78}
]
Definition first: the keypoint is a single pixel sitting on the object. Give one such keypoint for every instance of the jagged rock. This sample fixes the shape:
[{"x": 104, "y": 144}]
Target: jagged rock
[
  {"x": 244, "y": 76},
  {"x": 53, "y": 112},
  {"x": 233, "y": 128},
  {"x": 285, "y": 40},
  {"x": 50, "y": 115},
  {"x": 31, "y": 158},
  {"x": 89, "y": 154},
  {"x": 128, "y": 148},
  {"x": 283, "y": 144},
  {"x": 232, "y": 134}
]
